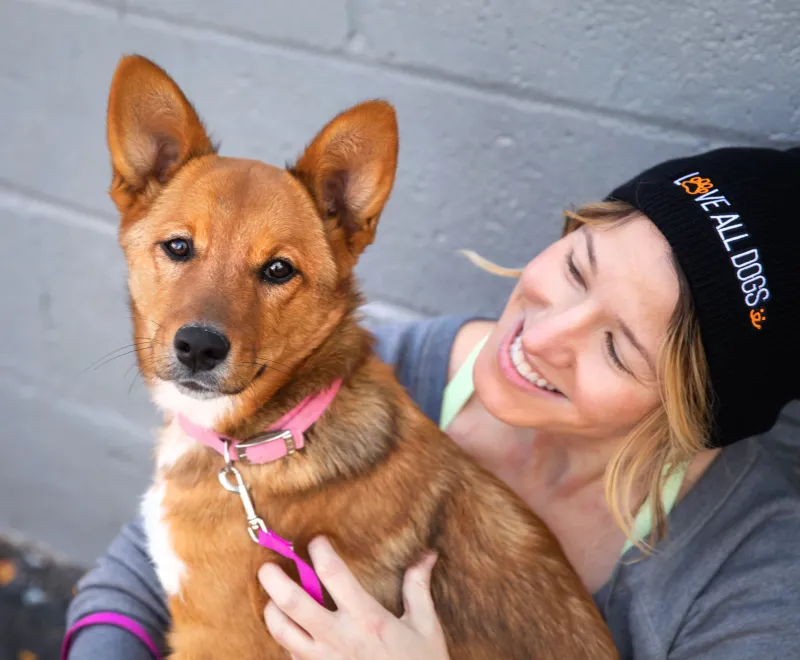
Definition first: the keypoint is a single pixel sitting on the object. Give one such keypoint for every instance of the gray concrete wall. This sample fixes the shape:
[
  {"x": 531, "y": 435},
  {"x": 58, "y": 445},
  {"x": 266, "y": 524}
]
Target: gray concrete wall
[{"x": 509, "y": 111}]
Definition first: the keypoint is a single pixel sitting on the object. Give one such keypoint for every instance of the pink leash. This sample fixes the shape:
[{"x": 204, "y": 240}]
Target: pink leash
[
  {"x": 109, "y": 619},
  {"x": 308, "y": 578},
  {"x": 263, "y": 448}
]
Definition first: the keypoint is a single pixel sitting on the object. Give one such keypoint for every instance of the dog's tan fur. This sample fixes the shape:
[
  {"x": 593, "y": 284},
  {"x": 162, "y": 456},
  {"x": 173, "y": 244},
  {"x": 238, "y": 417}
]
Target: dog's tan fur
[{"x": 376, "y": 477}]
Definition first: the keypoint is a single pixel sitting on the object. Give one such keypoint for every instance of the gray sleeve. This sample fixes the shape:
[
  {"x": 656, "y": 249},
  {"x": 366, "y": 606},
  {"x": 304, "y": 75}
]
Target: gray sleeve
[
  {"x": 419, "y": 351},
  {"x": 124, "y": 581},
  {"x": 751, "y": 608}
]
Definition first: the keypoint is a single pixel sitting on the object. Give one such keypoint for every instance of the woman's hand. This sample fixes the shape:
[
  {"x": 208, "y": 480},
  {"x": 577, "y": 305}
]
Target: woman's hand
[{"x": 361, "y": 629}]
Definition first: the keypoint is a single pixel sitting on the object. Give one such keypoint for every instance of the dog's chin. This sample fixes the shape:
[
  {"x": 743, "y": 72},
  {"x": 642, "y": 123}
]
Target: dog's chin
[
  {"x": 197, "y": 390},
  {"x": 200, "y": 404}
]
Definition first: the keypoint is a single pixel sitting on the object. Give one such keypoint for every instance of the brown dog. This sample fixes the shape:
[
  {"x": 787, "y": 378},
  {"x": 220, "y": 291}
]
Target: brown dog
[{"x": 243, "y": 304}]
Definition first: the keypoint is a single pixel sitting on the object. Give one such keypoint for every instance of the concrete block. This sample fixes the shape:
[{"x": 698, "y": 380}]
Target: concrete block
[
  {"x": 715, "y": 64},
  {"x": 317, "y": 23}
]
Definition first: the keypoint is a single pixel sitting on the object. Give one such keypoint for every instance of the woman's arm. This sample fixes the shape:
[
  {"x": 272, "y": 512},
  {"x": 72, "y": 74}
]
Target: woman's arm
[
  {"x": 751, "y": 608},
  {"x": 122, "y": 581}
]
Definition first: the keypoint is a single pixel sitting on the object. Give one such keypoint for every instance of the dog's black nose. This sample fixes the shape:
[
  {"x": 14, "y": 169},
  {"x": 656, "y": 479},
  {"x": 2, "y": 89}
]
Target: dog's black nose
[{"x": 200, "y": 348}]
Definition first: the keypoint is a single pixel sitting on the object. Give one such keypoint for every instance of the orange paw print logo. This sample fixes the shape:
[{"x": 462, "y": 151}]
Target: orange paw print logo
[
  {"x": 8, "y": 571},
  {"x": 697, "y": 185},
  {"x": 757, "y": 318}
]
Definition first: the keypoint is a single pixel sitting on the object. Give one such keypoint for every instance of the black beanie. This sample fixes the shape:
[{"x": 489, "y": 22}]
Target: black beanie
[{"x": 730, "y": 219}]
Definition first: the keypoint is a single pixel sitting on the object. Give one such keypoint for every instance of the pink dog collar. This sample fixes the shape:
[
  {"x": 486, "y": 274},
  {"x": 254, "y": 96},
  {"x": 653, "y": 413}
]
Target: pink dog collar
[{"x": 281, "y": 439}]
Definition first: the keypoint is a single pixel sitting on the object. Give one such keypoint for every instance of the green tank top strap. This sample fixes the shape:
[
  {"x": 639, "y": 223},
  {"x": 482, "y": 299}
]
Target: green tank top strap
[
  {"x": 643, "y": 523},
  {"x": 458, "y": 391}
]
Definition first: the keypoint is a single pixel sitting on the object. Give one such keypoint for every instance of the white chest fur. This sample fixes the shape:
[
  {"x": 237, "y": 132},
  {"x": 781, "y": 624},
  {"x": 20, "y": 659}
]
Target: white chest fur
[
  {"x": 169, "y": 566},
  {"x": 172, "y": 445}
]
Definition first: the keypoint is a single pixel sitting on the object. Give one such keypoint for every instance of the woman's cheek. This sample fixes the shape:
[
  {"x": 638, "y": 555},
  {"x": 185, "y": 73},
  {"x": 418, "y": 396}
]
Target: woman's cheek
[
  {"x": 607, "y": 406},
  {"x": 628, "y": 407}
]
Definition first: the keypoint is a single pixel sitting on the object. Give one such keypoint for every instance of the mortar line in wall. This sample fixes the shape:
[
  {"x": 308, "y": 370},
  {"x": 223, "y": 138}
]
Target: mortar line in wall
[
  {"x": 96, "y": 8},
  {"x": 431, "y": 77},
  {"x": 35, "y": 204},
  {"x": 102, "y": 416}
]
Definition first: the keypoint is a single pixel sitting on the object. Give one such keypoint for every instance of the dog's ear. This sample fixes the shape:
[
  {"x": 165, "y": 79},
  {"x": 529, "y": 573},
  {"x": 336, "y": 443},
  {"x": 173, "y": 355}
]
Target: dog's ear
[
  {"x": 349, "y": 170},
  {"x": 152, "y": 131}
]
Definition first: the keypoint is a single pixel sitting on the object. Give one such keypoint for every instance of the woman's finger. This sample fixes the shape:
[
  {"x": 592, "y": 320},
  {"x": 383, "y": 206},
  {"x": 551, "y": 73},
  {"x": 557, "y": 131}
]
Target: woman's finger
[
  {"x": 288, "y": 635},
  {"x": 294, "y": 602},
  {"x": 342, "y": 585},
  {"x": 420, "y": 612}
]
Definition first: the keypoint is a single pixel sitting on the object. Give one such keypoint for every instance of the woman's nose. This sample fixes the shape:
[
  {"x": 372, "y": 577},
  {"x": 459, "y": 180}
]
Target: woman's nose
[{"x": 557, "y": 334}]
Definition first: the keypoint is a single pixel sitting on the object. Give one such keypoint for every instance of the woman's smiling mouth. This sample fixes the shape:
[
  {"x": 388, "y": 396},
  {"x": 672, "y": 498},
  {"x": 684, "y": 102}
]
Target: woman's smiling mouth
[{"x": 519, "y": 371}]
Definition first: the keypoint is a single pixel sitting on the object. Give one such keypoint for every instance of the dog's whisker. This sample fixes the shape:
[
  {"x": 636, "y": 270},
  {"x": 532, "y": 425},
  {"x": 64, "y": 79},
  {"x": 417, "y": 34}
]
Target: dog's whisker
[
  {"x": 116, "y": 350},
  {"x": 266, "y": 359},
  {"x": 128, "y": 370},
  {"x": 129, "y": 350},
  {"x": 267, "y": 366},
  {"x": 137, "y": 377},
  {"x": 152, "y": 340},
  {"x": 133, "y": 311},
  {"x": 132, "y": 379},
  {"x": 111, "y": 359},
  {"x": 153, "y": 361}
]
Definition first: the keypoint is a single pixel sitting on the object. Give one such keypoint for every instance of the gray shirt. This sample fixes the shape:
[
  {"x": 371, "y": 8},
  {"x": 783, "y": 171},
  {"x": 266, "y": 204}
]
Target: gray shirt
[{"x": 724, "y": 584}]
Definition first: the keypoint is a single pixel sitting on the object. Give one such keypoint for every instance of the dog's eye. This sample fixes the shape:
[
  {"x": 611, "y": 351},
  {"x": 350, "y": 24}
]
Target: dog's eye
[
  {"x": 179, "y": 249},
  {"x": 278, "y": 271}
]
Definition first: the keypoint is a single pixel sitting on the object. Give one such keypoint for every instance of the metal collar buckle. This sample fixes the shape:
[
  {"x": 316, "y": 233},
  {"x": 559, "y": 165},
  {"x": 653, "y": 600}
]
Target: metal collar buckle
[{"x": 240, "y": 448}]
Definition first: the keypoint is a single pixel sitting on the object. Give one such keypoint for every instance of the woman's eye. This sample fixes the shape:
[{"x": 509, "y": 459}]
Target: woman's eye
[
  {"x": 178, "y": 249},
  {"x": 573, "y": 270},
  {"x": 278, "y": 271},
  {"x": 612, "y": 352}
]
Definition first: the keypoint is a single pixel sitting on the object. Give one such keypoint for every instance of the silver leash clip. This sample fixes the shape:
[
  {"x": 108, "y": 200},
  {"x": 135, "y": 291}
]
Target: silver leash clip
[{"x": 254, "y": 523}]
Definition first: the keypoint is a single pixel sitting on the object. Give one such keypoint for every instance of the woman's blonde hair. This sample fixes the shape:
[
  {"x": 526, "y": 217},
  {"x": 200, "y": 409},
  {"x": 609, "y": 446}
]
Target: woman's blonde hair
[{"x": 668, "y": 437}]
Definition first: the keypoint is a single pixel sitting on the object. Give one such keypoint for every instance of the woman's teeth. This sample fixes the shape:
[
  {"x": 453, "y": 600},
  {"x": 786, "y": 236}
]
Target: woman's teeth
[{"x": 524, "y": 369}]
